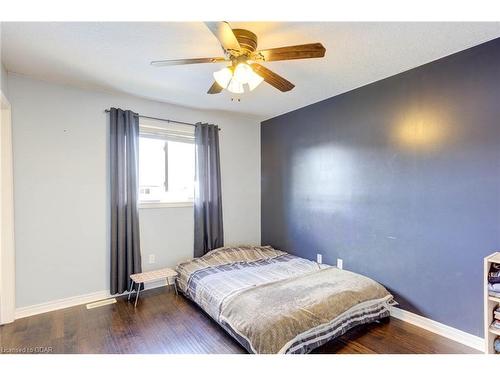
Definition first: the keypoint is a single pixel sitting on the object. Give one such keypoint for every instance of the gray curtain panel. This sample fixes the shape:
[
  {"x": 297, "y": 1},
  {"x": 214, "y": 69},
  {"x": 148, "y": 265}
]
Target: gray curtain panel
[
  {"x": 125, "y": 242},
  {"x": 208, "y": 228}
]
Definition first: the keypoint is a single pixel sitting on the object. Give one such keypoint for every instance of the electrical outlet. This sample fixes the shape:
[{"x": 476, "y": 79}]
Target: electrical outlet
[
  {"x": 152, "y": 259},
  {"x": 319, "y": 258},
  {"x": 340, "y": 263}
]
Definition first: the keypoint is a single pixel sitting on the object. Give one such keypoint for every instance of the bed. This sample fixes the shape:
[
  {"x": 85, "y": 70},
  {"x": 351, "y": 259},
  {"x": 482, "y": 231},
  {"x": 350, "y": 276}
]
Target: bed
[{"x": 274, "y": 302}]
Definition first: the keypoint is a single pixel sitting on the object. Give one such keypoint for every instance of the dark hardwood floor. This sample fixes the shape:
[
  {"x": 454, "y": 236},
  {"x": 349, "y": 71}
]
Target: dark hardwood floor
[{"x": 166, "y": 323}]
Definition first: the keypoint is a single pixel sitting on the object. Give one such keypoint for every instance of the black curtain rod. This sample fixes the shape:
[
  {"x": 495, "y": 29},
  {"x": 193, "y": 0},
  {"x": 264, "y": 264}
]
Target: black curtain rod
[{"x": 163, "y": 119}]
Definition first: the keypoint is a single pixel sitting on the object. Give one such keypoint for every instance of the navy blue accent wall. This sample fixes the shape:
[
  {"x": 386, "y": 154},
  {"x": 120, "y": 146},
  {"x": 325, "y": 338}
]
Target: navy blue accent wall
[{"x": 400, "y": 179}]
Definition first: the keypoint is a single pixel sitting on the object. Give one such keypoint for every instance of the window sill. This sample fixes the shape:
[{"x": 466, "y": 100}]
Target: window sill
[{"x": 143, "y": 205}]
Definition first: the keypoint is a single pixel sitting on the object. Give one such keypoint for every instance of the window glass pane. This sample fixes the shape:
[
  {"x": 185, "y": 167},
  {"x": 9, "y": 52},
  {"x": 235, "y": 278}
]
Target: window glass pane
[
  {"x": 180, "y": 171},
  {"x": 152, "y": 170}
]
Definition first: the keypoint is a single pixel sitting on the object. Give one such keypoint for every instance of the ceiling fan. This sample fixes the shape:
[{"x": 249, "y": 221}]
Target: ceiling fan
[{"x": 240, "y": 50}]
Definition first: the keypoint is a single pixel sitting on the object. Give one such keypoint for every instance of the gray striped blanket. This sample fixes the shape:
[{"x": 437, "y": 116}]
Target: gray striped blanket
[{"x": 240, "y": 288}]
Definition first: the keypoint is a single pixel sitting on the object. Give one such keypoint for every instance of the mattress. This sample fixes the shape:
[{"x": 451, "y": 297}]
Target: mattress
[{"x": 274, "y": 302}]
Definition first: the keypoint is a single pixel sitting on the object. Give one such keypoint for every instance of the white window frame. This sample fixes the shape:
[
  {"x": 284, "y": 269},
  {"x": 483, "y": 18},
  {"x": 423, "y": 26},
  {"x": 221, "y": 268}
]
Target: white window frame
[
  {"x": 146, "y": 205},
  {"x": 7, "y": 241},
  {"x": 165, "y": 130}
]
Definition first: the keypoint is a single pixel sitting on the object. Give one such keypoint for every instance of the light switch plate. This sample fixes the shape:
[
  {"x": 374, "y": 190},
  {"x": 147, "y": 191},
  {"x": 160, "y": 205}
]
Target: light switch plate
[{"x": 319, "y": 258}]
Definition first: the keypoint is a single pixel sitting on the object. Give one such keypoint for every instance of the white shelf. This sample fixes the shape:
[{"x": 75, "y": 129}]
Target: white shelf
[
  {"x": 490, "y": 303},
  {"x": 495, "y": 331},
  {"x": 493, "y": 258},
  {"x": 494, "y": 299}
]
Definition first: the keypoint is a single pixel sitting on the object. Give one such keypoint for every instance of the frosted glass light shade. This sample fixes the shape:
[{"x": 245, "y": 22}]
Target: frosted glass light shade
[
  {"x": 235, "y": 87},
  {"x": 223, "y": 77},
  {"x": 254, "y": 80},
  {"x": 233, "y": 79},
  {"x": 242, "y": 73},
  {"x": 245, "y": 75}
]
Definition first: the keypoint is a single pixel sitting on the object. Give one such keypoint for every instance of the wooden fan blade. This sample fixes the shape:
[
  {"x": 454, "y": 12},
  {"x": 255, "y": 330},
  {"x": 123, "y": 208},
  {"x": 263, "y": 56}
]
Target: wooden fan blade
[
  {"x": 201, "y": 60},
  {"x": 272, "y": 78},
  {"x": 214, "y": 89},
  {"x": 303, "y": 51},
  {"x": 225, "y": 35}
]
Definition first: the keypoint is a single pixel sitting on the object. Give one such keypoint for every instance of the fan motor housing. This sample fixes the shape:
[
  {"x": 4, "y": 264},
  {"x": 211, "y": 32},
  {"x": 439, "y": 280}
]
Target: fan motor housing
[{"x": 247, "y": 40}]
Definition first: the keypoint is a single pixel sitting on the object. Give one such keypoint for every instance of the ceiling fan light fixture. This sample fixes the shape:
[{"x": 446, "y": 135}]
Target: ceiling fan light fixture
[
  {"x": 235, "y": 87},
  {"x": 254, "y": 80},
  {"x": 240, "y": 50},
  {"x": 223, "y": 77},
  {"x": 244, "y": 74}
]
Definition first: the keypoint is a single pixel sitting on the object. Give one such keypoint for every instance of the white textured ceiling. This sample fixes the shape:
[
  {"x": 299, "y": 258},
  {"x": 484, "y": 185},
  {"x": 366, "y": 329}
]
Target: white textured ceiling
[{"x": 116, "y": 56}]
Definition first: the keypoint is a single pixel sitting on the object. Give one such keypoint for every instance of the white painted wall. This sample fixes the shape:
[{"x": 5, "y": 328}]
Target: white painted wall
[
  {"x": 3, "y": 71},
  {"x": 3, "y": 81},
  {"x": 61, "y": 188}
]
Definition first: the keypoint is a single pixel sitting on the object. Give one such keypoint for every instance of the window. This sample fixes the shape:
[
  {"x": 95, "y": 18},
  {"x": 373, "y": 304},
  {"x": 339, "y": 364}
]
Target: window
[{"x": 166, "y": 164}]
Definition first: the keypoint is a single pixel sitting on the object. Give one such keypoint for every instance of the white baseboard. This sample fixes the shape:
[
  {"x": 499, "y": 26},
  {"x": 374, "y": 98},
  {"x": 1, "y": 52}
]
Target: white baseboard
[
  {"x": 23, "y": 312},
  {"x": 441, "y": 329}
]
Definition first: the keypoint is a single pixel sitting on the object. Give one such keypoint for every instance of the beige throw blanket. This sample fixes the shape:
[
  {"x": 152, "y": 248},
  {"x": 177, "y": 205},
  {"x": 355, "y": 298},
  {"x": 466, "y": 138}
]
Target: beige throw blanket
[{"x": 273, "y": 316}]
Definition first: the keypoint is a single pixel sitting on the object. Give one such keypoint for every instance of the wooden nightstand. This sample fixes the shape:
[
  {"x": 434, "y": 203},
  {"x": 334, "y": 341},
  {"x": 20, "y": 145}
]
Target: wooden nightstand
[{"x": 148, "y": 277}]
